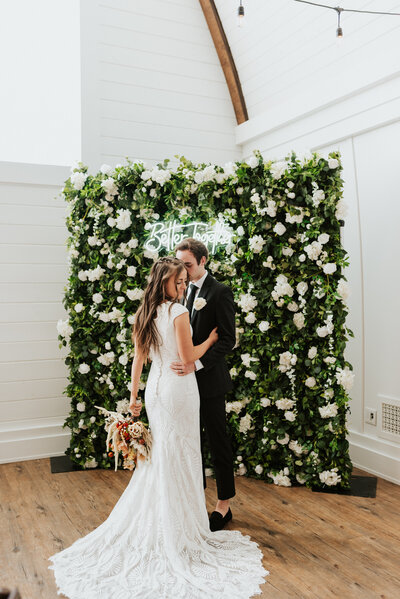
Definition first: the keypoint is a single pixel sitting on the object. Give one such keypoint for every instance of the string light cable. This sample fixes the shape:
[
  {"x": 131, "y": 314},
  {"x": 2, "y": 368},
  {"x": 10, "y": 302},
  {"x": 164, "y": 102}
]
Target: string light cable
[{"x": 339, "y": 10}]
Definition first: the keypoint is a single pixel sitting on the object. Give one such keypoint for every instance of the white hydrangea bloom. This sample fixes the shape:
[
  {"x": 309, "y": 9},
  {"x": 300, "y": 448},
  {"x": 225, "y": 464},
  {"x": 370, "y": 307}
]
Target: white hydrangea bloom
[
  {"x": 247, "y": 302},
  {"x": 64, "y": 328},
  {"x": 123, "y": 220},
  {"x": 265, "y": 402},
  {"x": 135, "y": 294},
  {"x": 285, "y": 403},
  {"x": 245, "y": 424},
  {"x": 78, "y": 180},
  {"x": 345, "y": 378},
  {"x": 313, "y": 250},
  {"x": 256, "y": 244},
  {"x": 328, "y": 411}
]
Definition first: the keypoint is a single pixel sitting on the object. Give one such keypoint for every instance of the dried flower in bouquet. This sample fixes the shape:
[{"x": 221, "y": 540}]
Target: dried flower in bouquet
[{"x": 127, "y": 435}]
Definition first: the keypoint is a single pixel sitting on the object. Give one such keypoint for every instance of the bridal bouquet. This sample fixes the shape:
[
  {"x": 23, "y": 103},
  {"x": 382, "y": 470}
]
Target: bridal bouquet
[{"x": 127, "y": 435}]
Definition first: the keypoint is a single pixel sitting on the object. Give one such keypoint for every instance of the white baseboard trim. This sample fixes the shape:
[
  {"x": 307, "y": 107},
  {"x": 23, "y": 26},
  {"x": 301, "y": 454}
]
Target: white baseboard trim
[
  {"x": 33, "y": 448},
  {"x": 375, "y": 456}
]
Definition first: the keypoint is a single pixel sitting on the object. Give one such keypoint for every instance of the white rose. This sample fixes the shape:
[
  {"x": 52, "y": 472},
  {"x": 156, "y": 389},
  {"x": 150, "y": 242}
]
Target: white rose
[
  {"x": 91, "y": 463},
  {"x": 208, "y": 471},
  {"x": 250, "y": 318},
  {"x": 302, "y": 258},
  {"x": 284, "y": 440},
  {"x": 298, "y": 320},
  {"x": 135, "y": 294},
  {"x": 333, "y": 163},
  {"x": 249, "y": 374},
  {"x": 97, "y": 298},
  {"x": 310, "y": 382},
  {"x": 131, "y": 271},
  {"x": 111, "y": 221},
  {"x": 302, "y": 287},
  {"x": 279, "y": 229},
  {"x": 78, "y": 308},
  {"x": 291, "y": 416},
  {"x": 84, "y": 368},
  {"x": 343, "y": 289},
  {"x": 264, "y": 326},
  {"x": 265, "y": 402},
  {"x": 323, "y": 238},
  {"x": 81, "y": 406},
  {"x": 329, "y": 268},
  {"x": 64, "y": 328},
  {"x": 240, "y": 231},
  {"x": 312, "y": 352},
  {"x": 258, "y": 469},
  {"x": 253, "y": 162},
  {"x": 199, "y": 303}
]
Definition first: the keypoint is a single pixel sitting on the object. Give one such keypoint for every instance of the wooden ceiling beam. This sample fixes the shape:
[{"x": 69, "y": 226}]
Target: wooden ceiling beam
[{"x": 226, "y": 59}]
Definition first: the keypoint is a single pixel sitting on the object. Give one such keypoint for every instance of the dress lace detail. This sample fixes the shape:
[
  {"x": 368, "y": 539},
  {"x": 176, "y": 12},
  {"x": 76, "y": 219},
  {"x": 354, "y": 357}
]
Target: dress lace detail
[{"x": 156, "y": 542}]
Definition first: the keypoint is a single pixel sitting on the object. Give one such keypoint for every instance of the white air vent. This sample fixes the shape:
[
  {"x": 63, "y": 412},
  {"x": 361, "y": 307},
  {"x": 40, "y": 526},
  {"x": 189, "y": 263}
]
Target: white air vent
[{"x": 389, "y": 420}]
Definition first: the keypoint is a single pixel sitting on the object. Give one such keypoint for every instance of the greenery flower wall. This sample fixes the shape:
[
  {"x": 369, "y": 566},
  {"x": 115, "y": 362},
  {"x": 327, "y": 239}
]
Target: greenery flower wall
[{"x": 287, "y": 413}]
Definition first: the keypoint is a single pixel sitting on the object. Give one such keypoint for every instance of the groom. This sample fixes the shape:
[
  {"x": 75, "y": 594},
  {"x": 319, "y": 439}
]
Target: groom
[{"x": 211, "y": 305}]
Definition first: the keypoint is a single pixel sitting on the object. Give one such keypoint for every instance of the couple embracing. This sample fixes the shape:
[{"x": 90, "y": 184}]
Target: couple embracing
[{"x": 158, "y": 541}]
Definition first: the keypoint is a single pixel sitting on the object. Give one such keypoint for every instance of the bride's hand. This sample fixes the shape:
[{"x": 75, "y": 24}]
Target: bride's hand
[
  {"x": 135, "y": 407},
  {"x": 213, "y": 336}
]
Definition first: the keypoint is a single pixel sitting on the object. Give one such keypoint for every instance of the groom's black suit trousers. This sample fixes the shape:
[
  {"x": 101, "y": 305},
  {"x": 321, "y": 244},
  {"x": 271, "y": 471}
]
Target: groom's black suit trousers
[{"x": 213, "y": 426}]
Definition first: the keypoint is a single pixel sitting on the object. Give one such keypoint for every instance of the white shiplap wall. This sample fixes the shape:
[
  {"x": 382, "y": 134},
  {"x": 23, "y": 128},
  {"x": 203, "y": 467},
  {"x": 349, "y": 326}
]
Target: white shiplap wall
[
  {"x": 152, "y": 84},
  {"x": 33, "y": 273}
]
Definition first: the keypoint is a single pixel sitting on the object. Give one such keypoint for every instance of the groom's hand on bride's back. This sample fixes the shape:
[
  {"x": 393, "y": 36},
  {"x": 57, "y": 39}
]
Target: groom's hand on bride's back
[{"x": 182, "y": 369}]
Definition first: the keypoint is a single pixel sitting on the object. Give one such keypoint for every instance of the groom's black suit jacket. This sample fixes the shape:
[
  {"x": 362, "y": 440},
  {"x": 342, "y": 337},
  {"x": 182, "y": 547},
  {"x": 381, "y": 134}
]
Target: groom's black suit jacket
[{"x": 214, "y": 378}]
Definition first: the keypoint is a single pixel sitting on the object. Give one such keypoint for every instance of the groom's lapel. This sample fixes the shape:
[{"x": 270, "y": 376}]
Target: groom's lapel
[{"x": 204, "y": 293}]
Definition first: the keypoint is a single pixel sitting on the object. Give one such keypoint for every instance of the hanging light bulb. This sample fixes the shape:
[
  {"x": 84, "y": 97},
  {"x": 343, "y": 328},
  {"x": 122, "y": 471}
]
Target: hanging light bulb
[
  {"x": 240, "y": 14},
  {"x": 339, "y": 30}
]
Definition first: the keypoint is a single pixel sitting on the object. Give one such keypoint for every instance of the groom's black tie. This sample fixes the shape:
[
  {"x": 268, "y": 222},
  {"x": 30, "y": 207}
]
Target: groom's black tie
[{"x": 189, "y": 305}]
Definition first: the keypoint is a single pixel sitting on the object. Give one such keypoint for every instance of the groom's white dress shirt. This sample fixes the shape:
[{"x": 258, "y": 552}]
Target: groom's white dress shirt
[{"x": 198, "y": 284}]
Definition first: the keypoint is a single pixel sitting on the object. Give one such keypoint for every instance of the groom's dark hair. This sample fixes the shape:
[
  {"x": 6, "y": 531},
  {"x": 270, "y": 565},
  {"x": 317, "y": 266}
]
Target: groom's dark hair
[{"x": 195, "y": 246}]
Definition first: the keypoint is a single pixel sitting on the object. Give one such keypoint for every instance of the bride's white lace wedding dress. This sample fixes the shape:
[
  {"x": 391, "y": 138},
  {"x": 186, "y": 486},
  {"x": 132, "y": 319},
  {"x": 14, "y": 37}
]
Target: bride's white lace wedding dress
[{"x": 156, "y": 543}]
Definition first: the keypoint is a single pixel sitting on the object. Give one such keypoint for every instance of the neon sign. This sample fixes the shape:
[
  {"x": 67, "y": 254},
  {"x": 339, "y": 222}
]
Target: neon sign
[{"x": 167, "y": 235}]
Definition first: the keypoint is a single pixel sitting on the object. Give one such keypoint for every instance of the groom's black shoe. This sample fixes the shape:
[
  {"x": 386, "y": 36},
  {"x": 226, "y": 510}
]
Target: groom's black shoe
[{"x": 218, "y": 521}]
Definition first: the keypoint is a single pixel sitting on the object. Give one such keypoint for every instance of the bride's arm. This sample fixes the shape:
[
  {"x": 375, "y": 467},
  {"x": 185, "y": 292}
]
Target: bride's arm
[
  {"x": 136, "y": 371},
  {"x": 187, "y": 351}
]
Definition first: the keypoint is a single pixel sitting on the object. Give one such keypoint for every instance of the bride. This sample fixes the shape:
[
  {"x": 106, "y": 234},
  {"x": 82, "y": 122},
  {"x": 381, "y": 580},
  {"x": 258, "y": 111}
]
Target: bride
[{"x": 156, "y": 542}]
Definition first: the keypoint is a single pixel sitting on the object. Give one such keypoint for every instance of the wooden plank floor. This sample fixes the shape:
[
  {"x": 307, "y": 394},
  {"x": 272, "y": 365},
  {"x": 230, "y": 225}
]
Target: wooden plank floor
[{"x": 316, "y": 545}]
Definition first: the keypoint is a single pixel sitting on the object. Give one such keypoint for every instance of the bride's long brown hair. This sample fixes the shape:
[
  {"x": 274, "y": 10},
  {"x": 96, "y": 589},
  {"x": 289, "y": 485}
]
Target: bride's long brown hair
[{"x": 144, "y": 332}]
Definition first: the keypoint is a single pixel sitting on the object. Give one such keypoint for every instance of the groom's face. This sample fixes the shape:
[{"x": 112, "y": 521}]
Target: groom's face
[{"x": 195, "y": 270}]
